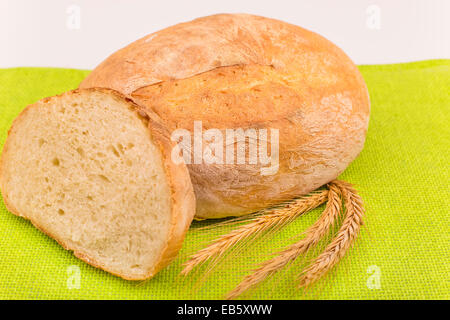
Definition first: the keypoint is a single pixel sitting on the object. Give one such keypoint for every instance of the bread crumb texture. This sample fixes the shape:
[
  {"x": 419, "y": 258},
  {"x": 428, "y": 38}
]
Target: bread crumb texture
[{"x": 84, "y": 169}]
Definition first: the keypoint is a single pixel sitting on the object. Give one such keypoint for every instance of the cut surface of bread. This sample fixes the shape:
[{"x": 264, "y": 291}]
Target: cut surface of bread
[{"x": 90, "y": 171}]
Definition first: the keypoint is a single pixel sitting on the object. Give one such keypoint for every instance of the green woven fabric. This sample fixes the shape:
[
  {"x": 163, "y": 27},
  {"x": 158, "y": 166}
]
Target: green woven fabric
[{"x": 402, "y": 175}]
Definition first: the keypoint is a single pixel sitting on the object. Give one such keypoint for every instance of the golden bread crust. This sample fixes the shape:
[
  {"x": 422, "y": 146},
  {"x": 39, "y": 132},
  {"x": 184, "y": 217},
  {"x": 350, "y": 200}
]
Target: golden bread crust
[{"x": 244, "y": 71}]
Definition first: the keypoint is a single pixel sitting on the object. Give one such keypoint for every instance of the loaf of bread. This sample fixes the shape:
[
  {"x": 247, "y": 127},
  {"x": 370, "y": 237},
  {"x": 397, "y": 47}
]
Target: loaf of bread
[
  {"x": 233, "y": 71},
  {"x": 95, "y": 173}
]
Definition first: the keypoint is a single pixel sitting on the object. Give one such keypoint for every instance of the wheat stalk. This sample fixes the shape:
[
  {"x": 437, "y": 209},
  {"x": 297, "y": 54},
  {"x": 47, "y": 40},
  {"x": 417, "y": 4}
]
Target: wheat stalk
[
  {"x": 313, "y": 235},
  {"x": 346, "y": 235},
  {"x": 273, "y": 219}
]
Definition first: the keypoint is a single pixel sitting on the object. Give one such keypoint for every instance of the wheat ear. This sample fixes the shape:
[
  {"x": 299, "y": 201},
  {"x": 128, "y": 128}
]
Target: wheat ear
[
  {"x": 273, "y": 219},
  {"x": 313, "y": 235},
  {"x": 346, "y": 235}
]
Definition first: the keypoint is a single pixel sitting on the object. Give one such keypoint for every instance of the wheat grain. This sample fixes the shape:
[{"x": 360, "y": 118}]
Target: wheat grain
[
  {"x": 348, "y": 232},
  {"x": 313, "y": 235},
  {"x": 272, "y": 220}
]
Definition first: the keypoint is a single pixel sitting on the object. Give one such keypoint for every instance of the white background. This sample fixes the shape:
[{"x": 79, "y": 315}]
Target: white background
[{"x": 46, "y": 32}]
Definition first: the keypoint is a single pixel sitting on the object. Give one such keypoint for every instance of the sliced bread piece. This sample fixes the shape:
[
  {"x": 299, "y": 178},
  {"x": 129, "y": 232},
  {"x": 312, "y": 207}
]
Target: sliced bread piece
[{"x": 94, "y": 173}]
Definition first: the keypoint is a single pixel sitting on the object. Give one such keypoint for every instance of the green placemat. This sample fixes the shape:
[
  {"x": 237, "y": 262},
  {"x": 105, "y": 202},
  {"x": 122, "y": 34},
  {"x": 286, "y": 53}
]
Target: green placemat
[{"x": 402, "y": 175}]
